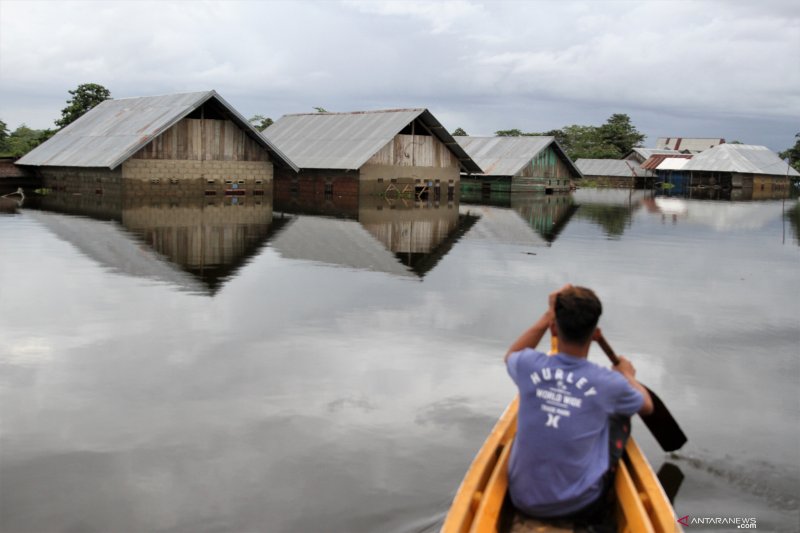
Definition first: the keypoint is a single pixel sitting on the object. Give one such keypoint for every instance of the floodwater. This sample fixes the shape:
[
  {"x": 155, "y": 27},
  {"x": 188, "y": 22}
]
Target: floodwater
[{"x": 232, "y": 365}]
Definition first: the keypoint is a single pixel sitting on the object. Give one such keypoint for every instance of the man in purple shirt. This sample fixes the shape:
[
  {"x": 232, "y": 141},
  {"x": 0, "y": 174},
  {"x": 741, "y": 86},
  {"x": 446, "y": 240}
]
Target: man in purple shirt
[{"x": 573, "y": 414}]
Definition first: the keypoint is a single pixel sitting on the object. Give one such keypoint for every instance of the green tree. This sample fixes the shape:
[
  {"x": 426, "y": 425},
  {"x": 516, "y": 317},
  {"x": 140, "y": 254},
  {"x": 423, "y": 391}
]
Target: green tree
[
  {"x": 84, "y": 98},
  {"x": 620, "y": 133},
  {"x": 260, "y": 122},
  {"x": 459, "y": 132},
  {"x": 24, "y": 139},
  {"x": 321, "y": 110},
  {"x": 3, "y": 136},
  {"x": 793, "y": 153},
  {"x": 509, "y": 133},
  {"x": 586, "y": 142}
]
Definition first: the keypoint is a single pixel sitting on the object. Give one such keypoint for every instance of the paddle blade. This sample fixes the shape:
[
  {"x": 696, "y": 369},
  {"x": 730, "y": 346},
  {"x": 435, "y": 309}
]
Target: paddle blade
[
  {"x": 670, "y": 476},
  {"x": 663, "y": 426}
]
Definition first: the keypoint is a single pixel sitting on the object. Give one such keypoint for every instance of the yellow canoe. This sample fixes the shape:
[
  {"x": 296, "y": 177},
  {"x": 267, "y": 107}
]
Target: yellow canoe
[{"x": 642, "y": 505}]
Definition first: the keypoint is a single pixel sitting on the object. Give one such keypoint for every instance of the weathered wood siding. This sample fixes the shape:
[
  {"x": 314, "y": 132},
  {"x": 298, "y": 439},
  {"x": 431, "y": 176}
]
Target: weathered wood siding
[
  {"x": 210, "y": 140},
  {"x": 416, "y": 151},
  {"x": 547, "y": 164}
]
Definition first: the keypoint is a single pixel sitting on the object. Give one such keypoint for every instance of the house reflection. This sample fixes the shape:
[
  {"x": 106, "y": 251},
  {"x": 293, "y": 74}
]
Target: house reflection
[
  {"x": 385, "y": 229},
  {"x": 207, "y": 237},
  {"x": 546, "y": 214}
]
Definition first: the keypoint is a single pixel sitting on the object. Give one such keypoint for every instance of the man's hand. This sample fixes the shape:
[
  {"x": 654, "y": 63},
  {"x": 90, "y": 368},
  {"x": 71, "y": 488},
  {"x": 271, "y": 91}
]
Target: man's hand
[
  {"x": 531, "y": 337},
  {"x": 625, "y": 367}
]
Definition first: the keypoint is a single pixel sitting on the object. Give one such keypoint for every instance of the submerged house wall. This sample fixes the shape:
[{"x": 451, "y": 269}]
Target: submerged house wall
[{"x": 546, "y": 171}]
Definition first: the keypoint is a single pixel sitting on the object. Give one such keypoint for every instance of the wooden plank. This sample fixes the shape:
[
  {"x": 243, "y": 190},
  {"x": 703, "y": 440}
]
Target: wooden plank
[
  {"x": 462, "y": 511},
  {"x": 633, "y": 516},
  {"x": 654, "y": 498}
]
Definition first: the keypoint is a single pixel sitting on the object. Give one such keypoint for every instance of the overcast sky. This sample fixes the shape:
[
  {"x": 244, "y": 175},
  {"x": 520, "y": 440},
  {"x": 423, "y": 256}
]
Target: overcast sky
[{"x": 678, "y": 68}]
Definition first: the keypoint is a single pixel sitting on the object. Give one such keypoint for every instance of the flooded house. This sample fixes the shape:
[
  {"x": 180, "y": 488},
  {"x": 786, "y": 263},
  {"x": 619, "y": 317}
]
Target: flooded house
[
  {"x": 740, "y": 166},
  {"x": 158, "y": 145},
  {"x": 691, "y": 145},
  {"x": 518, "y": 164},
  {"x": 620, "y": 173},
  {"x": 398, "y": 153}
]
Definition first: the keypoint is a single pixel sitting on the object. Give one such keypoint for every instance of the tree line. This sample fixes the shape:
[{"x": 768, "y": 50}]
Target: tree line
[{"x": 611, "y": 140}]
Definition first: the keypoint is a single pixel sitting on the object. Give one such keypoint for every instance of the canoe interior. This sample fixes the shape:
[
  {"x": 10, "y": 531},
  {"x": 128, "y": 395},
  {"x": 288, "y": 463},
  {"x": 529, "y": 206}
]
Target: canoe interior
[{"x": 481, "y": 505}]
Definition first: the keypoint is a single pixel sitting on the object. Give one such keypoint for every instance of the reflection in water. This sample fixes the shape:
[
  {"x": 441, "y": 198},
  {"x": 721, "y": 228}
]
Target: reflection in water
[
  {"x": 131, "y": 406},
  {"x": 400, "y": 236},
  {"x": 208, "y": 237},
  {"x": 546, "y": 214},
  {"x": 792, "y": 215}
]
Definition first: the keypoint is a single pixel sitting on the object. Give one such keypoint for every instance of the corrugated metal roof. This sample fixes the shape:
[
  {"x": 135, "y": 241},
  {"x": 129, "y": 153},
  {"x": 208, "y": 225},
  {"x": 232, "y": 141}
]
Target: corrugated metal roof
[
  {"x": 742, "y": 158},
  {"x": 692, "y": 144},
  {"x": 116, "y": 129},
  {"x": 347, "y": 140},
  {"x": 654, "y": 160},
  {"x": 506, "y": 156},
  {"x": 609, "y": 167}
]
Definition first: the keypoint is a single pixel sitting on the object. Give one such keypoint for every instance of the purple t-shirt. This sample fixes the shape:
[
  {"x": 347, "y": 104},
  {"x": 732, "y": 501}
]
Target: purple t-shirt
[{"x": 561, "y": 451}]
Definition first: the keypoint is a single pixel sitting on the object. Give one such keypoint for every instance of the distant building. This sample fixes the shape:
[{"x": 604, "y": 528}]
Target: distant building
[
  {"x": 640, "y": 155},
  {"x": 517, "y": 164},
  {"x": 688, "y": 144},
  {"x": 671, "y": 171},
  {"x": 403, "y": 152},
  {"x": 740, "y": 166},
  {"x": 158, "y": 144},
  {"x": 620, "y": 173}
]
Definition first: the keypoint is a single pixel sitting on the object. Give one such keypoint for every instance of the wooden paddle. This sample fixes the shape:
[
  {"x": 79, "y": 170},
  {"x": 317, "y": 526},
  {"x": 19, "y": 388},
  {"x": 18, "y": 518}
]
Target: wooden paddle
[{"x": 660, "y": 422}]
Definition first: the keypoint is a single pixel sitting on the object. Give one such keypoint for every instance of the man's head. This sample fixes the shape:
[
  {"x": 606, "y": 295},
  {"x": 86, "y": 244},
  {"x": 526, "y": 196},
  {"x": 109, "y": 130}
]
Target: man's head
[{"x": 577, "y": 311}]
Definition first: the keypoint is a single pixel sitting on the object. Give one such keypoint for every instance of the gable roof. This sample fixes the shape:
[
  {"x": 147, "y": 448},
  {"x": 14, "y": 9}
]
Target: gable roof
[
  {"x": 743, "y": 158},
  {"x": 348, "y": 140},
  {"x": 114, "y": 130},
  {"x": 506, "y": 156},
  {"x": 609, "y": 167}
]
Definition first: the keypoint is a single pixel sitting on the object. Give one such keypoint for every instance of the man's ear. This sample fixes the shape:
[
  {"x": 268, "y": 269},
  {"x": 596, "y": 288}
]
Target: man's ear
[{"x": 553, "y": 330}]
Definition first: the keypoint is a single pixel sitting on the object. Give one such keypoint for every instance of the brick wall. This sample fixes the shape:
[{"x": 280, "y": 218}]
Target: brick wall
[{"x": 185, "y": 178}]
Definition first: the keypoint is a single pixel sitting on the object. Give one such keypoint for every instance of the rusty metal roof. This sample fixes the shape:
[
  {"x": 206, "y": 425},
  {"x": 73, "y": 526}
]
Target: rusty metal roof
[
  {"x": 610, "y": 167},
  {"x": 656, "y": 159},
  {"x": 742, "y": 158},
  {"x": 348, "y": 140},
  {"x": 506, "y": 156},
  {"x": 116, "y": 129}
]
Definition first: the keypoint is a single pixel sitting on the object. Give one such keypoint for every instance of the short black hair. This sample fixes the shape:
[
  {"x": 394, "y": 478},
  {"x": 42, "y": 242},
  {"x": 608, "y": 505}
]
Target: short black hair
[{"x": 577, "y": 311}]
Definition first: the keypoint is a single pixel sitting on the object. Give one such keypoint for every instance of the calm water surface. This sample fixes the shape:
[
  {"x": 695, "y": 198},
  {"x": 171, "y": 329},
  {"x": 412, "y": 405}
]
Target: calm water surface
[{"x": 174, "y": 366}]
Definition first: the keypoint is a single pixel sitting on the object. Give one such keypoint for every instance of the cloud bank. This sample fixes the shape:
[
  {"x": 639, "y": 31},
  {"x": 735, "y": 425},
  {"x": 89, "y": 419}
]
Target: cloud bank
[{"x": 729, "y": 69}]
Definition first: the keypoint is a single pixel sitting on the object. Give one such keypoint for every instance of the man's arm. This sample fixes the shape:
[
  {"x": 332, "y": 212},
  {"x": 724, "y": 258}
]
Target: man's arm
[
  {"x": 530, "y": 337},
  {"x": 625, "y": 368}
]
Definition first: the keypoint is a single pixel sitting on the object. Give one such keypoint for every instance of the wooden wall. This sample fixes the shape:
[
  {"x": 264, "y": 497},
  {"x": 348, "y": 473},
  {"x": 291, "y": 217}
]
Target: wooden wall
[
  {"x": 210, "y": 140},
  {"x": 415, "y": 150},
  {"x": 548, "y": 164}
]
